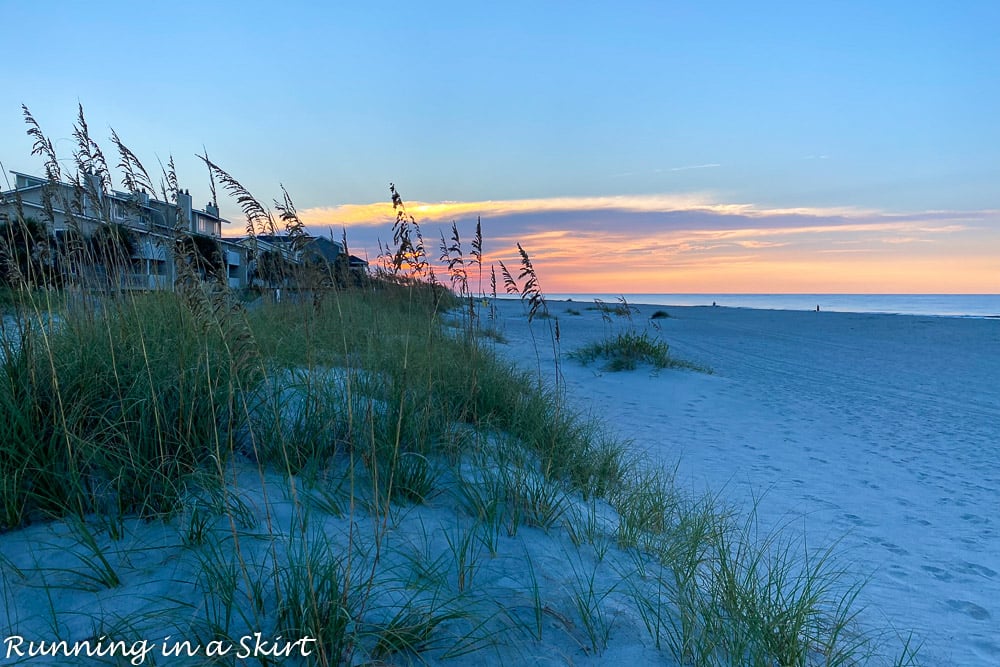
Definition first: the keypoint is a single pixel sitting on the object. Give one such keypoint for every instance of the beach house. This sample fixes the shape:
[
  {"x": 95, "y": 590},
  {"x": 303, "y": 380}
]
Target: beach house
[
  {"x": 275, "y": 260},
  {"x": 147, "y": 231}
]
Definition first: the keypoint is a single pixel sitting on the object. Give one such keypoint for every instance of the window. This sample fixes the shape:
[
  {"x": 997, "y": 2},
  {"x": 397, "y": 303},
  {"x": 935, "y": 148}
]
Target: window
[{"x": 118, "y": 211}]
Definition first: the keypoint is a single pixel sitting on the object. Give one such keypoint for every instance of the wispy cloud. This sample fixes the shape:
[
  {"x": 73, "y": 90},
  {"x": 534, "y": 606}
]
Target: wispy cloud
[
  {"x": 760, "y": 244},
  {"x": 378, "y": 213},
  {"x": 846, "y": 251},
  {"x": 902, "y": 240},
  {"x": 445, "y": 211},
  {"x": 711, "y": 165},
  {"x": 693, "y": 241}
]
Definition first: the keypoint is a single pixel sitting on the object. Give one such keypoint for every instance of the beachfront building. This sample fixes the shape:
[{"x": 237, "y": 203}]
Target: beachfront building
[
  {"x": 277, "y": 260},
  {"x": 145, "y": 229}
]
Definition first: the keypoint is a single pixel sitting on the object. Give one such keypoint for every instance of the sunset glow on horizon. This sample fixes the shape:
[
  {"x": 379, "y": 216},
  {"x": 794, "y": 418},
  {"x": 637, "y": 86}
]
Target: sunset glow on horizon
[
  {"x": 690, "y": 244},
  {"x": 629, "y": 147}
]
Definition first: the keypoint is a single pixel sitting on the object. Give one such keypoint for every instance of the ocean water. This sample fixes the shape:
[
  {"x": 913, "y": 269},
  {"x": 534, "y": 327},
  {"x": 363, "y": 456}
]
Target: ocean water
[{"x": 951, "y": 305}]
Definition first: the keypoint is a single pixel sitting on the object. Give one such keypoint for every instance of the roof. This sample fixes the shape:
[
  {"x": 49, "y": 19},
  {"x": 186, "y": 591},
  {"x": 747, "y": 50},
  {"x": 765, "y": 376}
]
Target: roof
[
  {"x": 327, "y": 248},
  {"x": 148, "y": 203}
]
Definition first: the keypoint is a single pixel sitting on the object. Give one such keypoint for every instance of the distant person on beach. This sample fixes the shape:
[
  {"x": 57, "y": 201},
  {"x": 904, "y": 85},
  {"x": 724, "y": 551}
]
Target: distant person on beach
[{"x": 817, "y": 307}]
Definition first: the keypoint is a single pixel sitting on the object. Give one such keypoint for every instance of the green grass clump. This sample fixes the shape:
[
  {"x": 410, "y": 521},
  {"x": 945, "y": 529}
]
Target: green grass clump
[
  {"x": 313, "y": 599},
  {"x": 108, "y": 410},
  {"x": 626, "y": 351},
  {"x": 659, "y": 315}
]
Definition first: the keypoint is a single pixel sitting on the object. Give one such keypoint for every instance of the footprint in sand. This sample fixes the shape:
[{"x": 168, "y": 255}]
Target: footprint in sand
[
  {"x": 938, "y": 573},
  {"x": 821, "y": 501},
  {"x": 973, "y": 568},
  {"x": 969, "y": 608},
  {"x": 893, "y": 548},
  {"x": 857, "y": 521}
]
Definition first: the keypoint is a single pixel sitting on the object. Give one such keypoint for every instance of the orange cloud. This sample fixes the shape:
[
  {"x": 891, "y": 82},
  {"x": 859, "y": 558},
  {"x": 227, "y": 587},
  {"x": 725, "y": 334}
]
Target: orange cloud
[
  {"x": 798, "y": 259},
  {"x": 692, "y": 243},
  {"x": 381, "y": 212}
]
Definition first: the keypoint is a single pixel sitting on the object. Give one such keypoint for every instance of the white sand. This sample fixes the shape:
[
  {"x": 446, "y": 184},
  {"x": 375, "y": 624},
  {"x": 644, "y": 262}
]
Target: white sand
[{"x": 880, "y": 431}]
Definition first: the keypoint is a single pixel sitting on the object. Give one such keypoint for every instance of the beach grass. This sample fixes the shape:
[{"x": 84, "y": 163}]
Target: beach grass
[
  {"x": 368, "y": 426},
  {"x": 630, "y": 349},
  {"x": 625, "y": 346},
  {"x": 625, "y": 351}
]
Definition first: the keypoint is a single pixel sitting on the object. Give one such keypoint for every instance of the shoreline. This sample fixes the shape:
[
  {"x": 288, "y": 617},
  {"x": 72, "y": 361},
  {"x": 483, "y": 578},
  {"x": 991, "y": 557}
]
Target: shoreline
[{"x": 985, "y": 306}]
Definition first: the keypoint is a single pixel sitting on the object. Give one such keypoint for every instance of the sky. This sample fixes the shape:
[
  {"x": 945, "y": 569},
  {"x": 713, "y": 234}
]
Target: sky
[{"x": 628, "y": 146}]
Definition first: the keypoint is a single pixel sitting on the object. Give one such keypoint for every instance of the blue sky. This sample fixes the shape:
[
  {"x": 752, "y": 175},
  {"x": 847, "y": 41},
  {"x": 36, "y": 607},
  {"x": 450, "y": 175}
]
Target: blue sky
[{"x": 684, "y": 119}]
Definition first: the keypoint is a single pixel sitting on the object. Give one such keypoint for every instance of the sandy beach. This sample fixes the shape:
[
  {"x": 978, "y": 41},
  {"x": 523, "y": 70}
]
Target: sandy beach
[
  {"x": 875, "y": 432},
  {"x": 871, "y": 434}
]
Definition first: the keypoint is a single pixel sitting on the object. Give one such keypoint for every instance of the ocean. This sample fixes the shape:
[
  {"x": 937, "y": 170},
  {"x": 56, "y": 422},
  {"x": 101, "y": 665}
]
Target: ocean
[{"x": 950, "y": 305}]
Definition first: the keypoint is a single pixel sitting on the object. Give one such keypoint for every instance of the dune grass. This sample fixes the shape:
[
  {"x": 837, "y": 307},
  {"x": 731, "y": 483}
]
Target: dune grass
[
  {"x": 625, "y": 351},
  {"x": 366, "y": 427},
  {"x": 625, "y": 346},
  {"x": 107, "y": 411}
]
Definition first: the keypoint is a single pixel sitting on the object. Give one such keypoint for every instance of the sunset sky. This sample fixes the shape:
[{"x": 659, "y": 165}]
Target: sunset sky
[{"x": 629, "y": 146}]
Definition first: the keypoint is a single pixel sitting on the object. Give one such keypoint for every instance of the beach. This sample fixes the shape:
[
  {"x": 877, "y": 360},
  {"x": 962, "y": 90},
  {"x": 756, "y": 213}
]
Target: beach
[
  {"x": 874, "y": 433},
  {"x": 869, "y": 436}
]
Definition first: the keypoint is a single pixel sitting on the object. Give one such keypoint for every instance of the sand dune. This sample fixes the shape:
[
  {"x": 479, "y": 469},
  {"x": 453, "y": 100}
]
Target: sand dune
[{"x": 877, "y": 434}]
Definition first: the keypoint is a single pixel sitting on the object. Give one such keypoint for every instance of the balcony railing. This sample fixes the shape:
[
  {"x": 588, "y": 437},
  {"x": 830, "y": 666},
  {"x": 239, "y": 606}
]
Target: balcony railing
[{"x": 143, "y": 281}]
